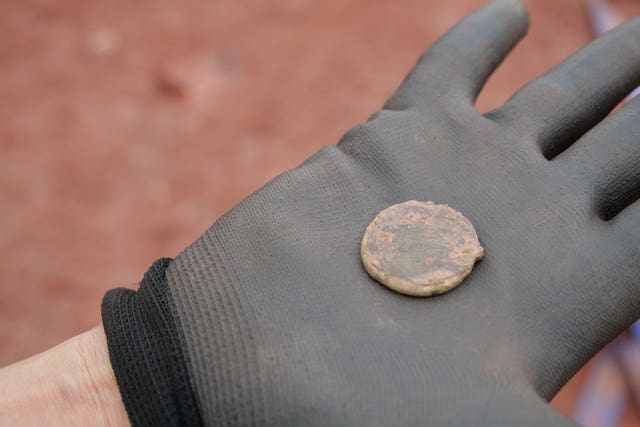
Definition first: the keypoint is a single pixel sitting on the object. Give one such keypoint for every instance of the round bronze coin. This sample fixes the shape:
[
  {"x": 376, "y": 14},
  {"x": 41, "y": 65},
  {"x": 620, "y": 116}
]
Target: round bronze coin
[{"x": 420, "y": 248}]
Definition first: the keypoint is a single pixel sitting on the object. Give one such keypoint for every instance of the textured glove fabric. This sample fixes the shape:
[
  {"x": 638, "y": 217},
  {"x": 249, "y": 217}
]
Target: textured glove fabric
[
  {"x": 145, "y": 351},
  {"x": 269, "y": 318}
]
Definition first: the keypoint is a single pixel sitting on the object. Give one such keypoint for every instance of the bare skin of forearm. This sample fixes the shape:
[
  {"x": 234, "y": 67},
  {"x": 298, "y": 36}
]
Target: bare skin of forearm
[{"x": 71, "y": 384}]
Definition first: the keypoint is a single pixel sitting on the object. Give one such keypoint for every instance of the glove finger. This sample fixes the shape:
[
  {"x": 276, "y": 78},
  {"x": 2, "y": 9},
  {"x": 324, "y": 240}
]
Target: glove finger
[
  {"x": 457, "y": 66},
  {"x": 603, "y": 301},
  {"x": 622, "y": 260},
  {"x": 559, "y": 107},
  {"x": 627, "y": 224},
  {"x": 605, "y": 163}
]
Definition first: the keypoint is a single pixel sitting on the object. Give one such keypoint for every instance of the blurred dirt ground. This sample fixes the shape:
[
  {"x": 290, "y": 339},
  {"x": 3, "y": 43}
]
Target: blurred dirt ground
[{"x": 126, "y": 128}]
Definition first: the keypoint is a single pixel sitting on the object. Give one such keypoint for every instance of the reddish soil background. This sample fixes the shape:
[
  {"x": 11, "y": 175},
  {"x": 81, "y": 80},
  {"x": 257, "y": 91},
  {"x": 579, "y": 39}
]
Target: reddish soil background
[{"x": 127, "y": 128}]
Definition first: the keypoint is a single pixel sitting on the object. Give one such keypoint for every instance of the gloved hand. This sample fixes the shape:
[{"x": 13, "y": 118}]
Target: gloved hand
[{"x": 270, "y": 317}]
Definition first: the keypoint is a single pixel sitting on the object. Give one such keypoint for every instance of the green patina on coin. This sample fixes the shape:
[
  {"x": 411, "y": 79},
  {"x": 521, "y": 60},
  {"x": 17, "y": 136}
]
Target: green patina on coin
[{"x": 420, "y": 248}]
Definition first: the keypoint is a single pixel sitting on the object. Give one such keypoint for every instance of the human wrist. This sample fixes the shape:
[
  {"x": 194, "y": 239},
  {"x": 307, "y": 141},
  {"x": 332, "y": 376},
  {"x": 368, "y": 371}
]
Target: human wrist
[{"x": 70, "y": 384}]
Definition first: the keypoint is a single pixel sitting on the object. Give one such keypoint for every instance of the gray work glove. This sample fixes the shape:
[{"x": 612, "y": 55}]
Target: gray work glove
[{"x": 269, "y": 318}]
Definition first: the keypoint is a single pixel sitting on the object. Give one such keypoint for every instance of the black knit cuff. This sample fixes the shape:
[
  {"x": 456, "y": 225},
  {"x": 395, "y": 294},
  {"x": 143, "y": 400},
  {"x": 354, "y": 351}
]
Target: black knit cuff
[{"x": 145, "y": 353}]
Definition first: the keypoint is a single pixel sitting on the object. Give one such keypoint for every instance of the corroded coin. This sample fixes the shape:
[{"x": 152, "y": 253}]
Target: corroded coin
[{"x": 420, "y": 248}]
